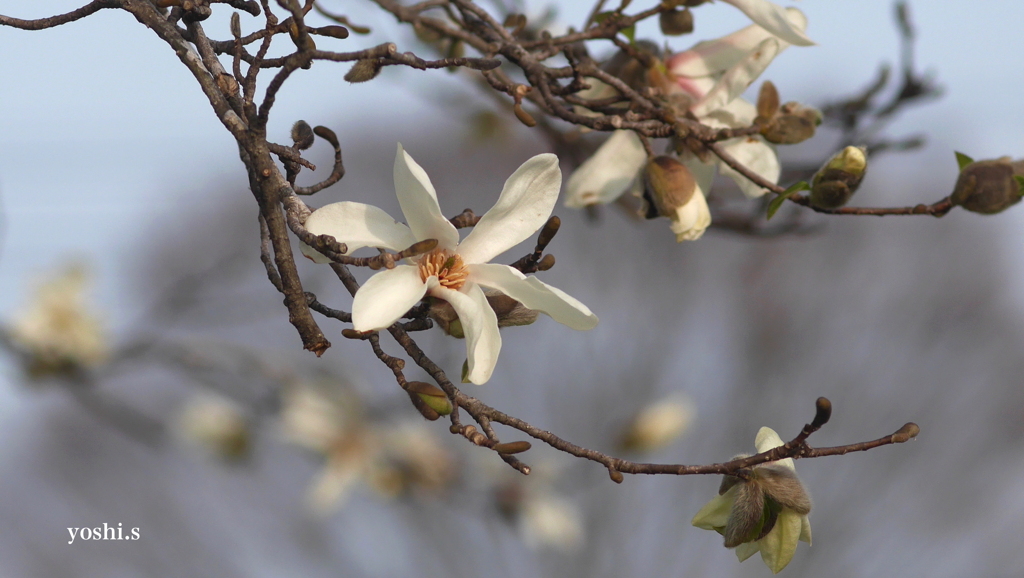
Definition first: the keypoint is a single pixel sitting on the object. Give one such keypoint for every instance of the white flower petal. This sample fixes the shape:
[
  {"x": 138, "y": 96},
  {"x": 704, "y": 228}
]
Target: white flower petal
[
  {"x": 357, "y": 225},
  {"x": 737, "y": 78},
  {"x": 419, "y": 203},
  {"x": 483, "y": 342},
  {"x": 775, "y": 19},
  {"x": 703, "y": 173},
  {"x": 713, "y": 57},
  {"x": 767, "y": 439},
  {"x": 778, "y": 547},
  {"x": 534, "y": 294},
  {"x": 691, "y": 219},
  {"x": 386, "y": 296},
  {"x": 608, "y": 173},
  {"x": 525, "y": 204},
  {"x": 758, "y": 156},
  {"x": 737, "y": 113}
]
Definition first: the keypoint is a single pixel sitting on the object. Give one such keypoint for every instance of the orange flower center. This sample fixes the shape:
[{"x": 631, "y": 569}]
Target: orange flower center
[{"x": 448, "y": 267}]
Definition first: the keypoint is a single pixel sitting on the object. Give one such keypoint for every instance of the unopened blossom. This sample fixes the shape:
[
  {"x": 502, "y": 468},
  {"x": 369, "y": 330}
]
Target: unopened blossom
[
  {"x": 57, "y": 332},
  {"x": 706, "y": 81},
  {"x": 455, "y": 271},
  {"x": 773, "y": 495}
]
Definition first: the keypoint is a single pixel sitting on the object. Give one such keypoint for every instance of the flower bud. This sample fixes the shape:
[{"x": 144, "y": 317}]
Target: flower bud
[
  {"x": 658, "y": 424},
  {"x": 834, "y": 184},
  {"x": 512, "y": 447},
  {"x": 435, "y": 398},
  {"x": 302, "y": 135},
  {"x": 987, "y": 187},
  {"x": 675, "y": 22},
  {"x": 363, "y": 70},
  {"x": 767, "y": 102},
  {"x": 793, "y": 124},
  {"x": 668, "y": 185}
]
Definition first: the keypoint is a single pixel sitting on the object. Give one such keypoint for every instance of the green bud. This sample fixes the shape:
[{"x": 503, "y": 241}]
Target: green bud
[
  {"x": 834, "y": 184},
  {"x": 987, "y": 187},
  {"x": 668, "y": 185},
  {"x": 363, "y": 70},
  {"x": 675, "y": 22},
  {"x": 433, "y": 396}
]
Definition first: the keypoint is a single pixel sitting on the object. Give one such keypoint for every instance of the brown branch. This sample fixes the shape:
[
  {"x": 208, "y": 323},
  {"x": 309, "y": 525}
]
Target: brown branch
[
  {"x": 51, "y": 21},
  {"x": 937, "y": 209}
]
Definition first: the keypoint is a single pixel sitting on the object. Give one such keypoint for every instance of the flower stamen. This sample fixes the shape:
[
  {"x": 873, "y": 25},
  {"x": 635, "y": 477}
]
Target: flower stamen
[{"x": 448, "y": 267}]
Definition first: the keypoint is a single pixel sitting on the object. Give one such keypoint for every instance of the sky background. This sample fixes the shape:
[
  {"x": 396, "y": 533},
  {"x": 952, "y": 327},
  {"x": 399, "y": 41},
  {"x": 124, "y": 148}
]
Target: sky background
[{"x": 108, "y": 150}]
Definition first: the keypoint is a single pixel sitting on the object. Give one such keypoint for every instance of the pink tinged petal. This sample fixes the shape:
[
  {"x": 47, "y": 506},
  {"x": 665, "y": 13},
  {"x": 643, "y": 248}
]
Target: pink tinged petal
[
  {"x": 778, "y": 547},
  {"x": 607, "y": 174},
  {"x": 357, "y": 225},
  {"x": 524, "y": 205},
  {"x": 738, "y": 78},
  {"x": 692, "y": 219},
  {"x": 776, "y": 19},
  {"x": 758, "y": 156},
  {"x": 419, "y": 203},
  {"x": 713, "y": 57},
  {"x": 534, "y": 294},
  {"x": 386, "y": 296},
  {"x": 483, "y": 342}
]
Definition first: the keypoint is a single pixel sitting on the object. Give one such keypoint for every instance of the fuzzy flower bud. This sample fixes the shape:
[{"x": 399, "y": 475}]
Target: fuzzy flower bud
[
  {"x": 793, "y": 124},
  {"x": 363, "y": 70},
  {"x": 987, "y": 187},
  {"x": 838, "y": 179},
  {"x": 675, "y": 22}
]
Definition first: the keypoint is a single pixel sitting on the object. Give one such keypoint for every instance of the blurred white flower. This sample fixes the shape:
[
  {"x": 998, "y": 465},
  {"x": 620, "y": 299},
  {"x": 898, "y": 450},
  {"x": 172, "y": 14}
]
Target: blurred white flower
[
  {"x": 766, "y": 514},
  {"x": 217, "y": 425},
  {"x": 455, "y": 271},
  {"x": 549, "y": 521},
  {"x": 412, "y": 459},
  {"x": 659, "y": 424},
  {"x": 56, "y": 331}
]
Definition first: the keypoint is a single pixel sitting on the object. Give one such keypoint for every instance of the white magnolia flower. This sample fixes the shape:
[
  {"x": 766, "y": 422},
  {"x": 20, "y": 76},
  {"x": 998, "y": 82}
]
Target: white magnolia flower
[
  {"x": 56, "y": 330},
  {"x": 547, "y": 520},
  {"x": 708, "y": 78},
  {"x": 774, "y": 19},
  {"x": 774, "y": 490},
  {"x": 454, "y": 271},
  {"x": 712, "y": 75}
]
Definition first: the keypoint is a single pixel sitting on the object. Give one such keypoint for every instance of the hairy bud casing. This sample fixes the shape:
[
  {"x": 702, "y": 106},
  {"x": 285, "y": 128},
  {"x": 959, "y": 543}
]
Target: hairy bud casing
[
  {"x": 675, "y": 22},
  {"x": 363, "y": 70}
]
